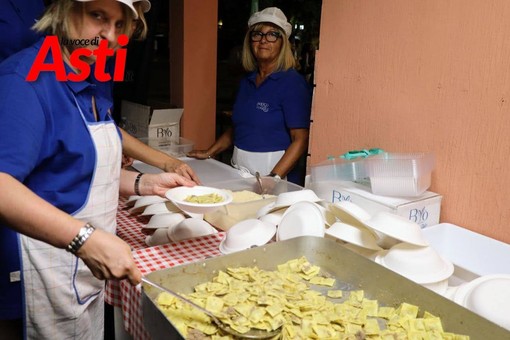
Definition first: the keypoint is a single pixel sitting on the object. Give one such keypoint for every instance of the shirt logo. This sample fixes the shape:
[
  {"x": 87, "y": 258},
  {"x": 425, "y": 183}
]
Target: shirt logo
[{"x": 263, "y": 106}]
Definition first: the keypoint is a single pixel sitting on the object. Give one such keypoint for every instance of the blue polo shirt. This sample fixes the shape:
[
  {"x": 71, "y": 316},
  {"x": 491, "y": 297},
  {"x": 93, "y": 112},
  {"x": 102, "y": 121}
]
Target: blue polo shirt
[
  {"x": 44, "y": 144},
  {"x": 16, "y": 20},
  {"x": 263, "y": 115}
]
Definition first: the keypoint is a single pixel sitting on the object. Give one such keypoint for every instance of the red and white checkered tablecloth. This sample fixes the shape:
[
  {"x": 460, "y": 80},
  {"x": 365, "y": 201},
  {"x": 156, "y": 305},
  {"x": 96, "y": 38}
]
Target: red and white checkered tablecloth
[{"x": 122, "y": 294}]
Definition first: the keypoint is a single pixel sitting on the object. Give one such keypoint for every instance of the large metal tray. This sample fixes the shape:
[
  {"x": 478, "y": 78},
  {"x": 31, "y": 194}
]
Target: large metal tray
[{"x": 351, "y": 271}]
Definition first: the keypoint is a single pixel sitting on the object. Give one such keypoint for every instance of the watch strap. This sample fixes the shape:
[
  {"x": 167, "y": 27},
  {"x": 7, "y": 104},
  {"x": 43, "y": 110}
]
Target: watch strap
[{"x": 80, "y": 239}]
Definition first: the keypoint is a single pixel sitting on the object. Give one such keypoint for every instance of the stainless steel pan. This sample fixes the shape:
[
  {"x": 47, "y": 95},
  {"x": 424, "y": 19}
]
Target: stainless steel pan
[{"x": 351, "y": 271}]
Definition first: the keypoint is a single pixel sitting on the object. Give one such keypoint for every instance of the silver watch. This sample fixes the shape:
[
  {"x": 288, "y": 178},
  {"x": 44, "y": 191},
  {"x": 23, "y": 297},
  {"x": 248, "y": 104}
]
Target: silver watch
[{"x": 80, "y": 239}]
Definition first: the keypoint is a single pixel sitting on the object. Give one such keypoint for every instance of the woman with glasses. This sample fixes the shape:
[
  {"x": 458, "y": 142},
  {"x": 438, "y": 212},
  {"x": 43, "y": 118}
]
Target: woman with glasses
[{"x": 271, "y": 114}]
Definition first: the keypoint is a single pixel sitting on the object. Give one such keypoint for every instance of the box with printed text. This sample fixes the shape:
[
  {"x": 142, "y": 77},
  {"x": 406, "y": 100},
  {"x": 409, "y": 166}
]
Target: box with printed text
[
  {"x": 142, "y": 121},
  {"x": 424, "y": 209}
]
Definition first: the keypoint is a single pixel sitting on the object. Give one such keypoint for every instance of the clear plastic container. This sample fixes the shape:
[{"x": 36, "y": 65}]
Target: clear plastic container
[
  {"x": 347, "y": 167},
  {"x": 234, "y": 212},
  {"x": 177, "y": 147},
  {"x": 338, "y": 169},
  {"x": 400, "y": 174}
]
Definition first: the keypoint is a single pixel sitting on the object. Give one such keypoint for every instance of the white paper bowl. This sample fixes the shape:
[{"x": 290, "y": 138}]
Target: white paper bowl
[
  {"x": 274, "y": 217},
  {"x": 439, "y": 287},
  {"x": 349, "y": 213},
  {"x": 422, "y": 265},
  {"x": 190, "y": 228},
  {"x": 160, "y": 208},
  {"x": 329, "y": 217},
  {"x": 246, "y": 234},
  {"x": 158, "y": 237},
  {"x": 179, "y": 194},
  {"x": 368, "y": 253},
  {"x": 267, "y": 209},
  {"x": 488, "y": 296},
  {"x": 353, "y": 235},
  {"x": 145, "y": 201},
  {"x": 301, "y": 219},
  {"x": 132, "y": 200},
  {"x": 286, "y": 199},
  {"x": 165, "y": 220},
  {"x": 395, "y": 227}
]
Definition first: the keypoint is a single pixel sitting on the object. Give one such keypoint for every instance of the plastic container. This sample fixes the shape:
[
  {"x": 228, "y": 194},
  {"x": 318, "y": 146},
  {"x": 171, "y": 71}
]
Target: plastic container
[
  {"x": 472, "y": 254},
  {"x": 399, "y": 174},
  {"x": 177, "y": 147},
  {"x": 234, "y": 212},
  {"x": 347, "y": 167},
  {"x": 338, "y": 169}
]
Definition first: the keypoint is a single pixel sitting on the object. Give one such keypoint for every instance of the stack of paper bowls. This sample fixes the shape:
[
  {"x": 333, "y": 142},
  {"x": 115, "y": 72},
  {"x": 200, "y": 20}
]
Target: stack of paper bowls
[
  {"x": 392, "y": 229},
  {"x": 190, "y": 228},
  {"x": 420, "y": 264},
  {"x": 297, "y": 213},
  {"x": 359, "y": 240},
  {"x": 143, "y": 202},
  {"x": 301, "y": 219}
]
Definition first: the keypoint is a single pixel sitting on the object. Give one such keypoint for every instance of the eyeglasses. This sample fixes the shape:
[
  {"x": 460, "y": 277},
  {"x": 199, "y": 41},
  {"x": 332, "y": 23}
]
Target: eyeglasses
[{"x": 271, "y": 36}]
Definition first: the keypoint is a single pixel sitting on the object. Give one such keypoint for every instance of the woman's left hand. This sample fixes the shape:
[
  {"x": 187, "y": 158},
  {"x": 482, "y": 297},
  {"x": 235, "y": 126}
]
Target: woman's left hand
[
  {"x": 183, "y": 169},
  {"x": 158, "y": 184}
]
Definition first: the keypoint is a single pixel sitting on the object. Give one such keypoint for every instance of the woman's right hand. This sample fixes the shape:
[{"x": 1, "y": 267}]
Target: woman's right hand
[
  {"x": 109, "y": 257},
  {"x": 199, "y": 154}
]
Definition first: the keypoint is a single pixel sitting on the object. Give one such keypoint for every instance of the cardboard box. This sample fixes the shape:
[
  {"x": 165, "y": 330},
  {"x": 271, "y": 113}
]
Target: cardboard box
[
  {"x": 142, "y": 121},
  {"x": 176, "y": 147},
  {"x": 423, "y": 209}
]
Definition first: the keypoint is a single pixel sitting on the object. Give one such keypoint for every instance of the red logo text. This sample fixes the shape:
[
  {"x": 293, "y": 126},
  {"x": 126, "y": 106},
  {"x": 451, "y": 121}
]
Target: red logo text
[{"x": 102, "y": 52}]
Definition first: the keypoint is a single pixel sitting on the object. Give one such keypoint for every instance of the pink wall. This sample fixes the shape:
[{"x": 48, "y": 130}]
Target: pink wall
[
  {"x": 193, "y": 40},
  {"x": 431, "y": 76}
]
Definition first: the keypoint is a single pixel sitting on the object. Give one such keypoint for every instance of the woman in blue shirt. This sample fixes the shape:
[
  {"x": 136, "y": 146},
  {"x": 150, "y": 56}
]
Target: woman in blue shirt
[
  {"x": 60, "y": 174},
  {"x": 271, "y": 114}
]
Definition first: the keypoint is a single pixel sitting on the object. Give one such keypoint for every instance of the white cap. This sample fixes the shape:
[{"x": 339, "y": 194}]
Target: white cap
[
  {"x": 146, "y": 5},
  {"x": 273, "y": 15}
]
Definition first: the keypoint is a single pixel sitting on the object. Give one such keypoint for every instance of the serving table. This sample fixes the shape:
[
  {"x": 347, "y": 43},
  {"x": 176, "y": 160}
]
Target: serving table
[
  {"x": 126, "y": 298},
  {"x": 121, "y": 294}
]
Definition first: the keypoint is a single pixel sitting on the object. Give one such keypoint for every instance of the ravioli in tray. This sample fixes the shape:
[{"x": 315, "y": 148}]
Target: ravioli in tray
[
  {"x": 315, "y": 288},
  {"x": 248, "y": 297}
]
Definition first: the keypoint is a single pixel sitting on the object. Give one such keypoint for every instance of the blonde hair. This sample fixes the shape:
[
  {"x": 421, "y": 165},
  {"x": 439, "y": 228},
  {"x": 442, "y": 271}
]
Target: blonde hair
[
  {"x": 56, "y": 20},
  {"x": 285, "y": 59}
]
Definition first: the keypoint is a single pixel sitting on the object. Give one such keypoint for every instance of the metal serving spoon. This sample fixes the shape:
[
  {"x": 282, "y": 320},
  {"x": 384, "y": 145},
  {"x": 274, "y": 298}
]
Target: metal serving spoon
[
  {"x": 259, "y": 181},
  {"x": 251, "y": 334}
]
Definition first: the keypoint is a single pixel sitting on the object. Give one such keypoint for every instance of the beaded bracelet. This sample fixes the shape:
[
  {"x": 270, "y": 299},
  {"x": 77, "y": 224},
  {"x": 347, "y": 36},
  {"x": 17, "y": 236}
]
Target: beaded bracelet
[{"x": 137, "y": 184}]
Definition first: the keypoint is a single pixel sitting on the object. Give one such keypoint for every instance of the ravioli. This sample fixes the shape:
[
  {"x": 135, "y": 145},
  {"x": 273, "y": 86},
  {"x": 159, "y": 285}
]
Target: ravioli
[{"x": 250, "y": 298}]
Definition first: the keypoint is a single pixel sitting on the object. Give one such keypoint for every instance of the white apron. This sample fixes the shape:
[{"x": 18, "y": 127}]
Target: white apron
[
  {"x": 251, "y": 162},
  {"x": 62, "y": 298}
]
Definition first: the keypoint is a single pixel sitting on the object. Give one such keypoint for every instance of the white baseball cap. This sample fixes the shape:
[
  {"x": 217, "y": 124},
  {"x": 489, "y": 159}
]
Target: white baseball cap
[
  {"x": 146, "y": 5},
  {"x": 273, "y": 15}
]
